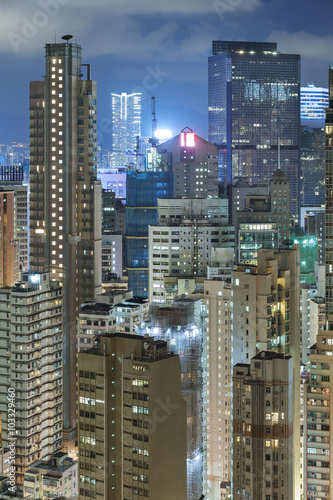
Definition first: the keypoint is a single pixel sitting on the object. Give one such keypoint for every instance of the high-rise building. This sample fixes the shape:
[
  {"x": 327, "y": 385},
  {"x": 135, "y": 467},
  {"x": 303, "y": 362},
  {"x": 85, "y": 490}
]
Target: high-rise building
[
  {"x": 183, "y": 327},
  {"x": 65, "y": 202},
  {"x": 254, "y": 112},
  {"x": 9, "y": 253},
  {"x": 267, "y": 301},
  {"x": 319, "y": 404},
  {"x": 132, "y": 420},
  {"x": 314, "y": 101},
  {"x": 180, "y": 245},
  {"x": 31, "y": 363},
  {"x": 194, "y": 162},
  {"x": 263, "y": 221},
  {"x": 329, "y": 205},
  {"x": 126, "y": 128},
  {"x": 263, "y": 428},
  {"x": 312, "y": 165},
  {"x": 143, "y": 189},
  {"x": 12, "y": 178},
  {"x": 218, "y": 301}
]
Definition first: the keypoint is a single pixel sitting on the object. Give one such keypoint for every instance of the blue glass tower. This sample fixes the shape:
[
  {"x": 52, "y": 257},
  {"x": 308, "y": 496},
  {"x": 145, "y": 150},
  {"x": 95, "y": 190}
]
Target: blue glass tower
[
  {"x": 142, "y": 192},
  {"x": 254, "y": 112}
]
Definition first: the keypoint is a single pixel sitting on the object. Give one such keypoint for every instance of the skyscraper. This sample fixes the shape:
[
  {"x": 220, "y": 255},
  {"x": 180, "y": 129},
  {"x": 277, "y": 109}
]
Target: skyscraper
[
  {"x": 65, "y": 203},
  {"x": 319, "y": 404},
  {"x": 254, "y": 112},
  {"x": 329, "y": 205},
  {"x": 142, "y": 192},
  {"x": 126, "y": 128}
]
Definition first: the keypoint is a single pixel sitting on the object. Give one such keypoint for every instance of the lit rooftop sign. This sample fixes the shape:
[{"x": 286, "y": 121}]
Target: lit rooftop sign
[{"x": 187, "y": 139}]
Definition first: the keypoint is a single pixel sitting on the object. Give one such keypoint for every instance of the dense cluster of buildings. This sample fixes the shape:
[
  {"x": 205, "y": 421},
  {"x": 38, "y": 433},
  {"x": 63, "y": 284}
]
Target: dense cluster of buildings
[{"x": 166, "y": 324}]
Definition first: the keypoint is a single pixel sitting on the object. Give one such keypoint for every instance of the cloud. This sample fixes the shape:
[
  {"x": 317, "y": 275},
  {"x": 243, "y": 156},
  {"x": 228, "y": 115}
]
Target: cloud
[
  {"x": 125, "y": 28},
  {"x": 304, "y": 43}
]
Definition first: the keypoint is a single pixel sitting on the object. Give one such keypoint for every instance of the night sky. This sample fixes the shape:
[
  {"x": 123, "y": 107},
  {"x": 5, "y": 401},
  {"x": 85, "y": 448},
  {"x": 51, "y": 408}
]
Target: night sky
[{"x": 157, "y": 47}]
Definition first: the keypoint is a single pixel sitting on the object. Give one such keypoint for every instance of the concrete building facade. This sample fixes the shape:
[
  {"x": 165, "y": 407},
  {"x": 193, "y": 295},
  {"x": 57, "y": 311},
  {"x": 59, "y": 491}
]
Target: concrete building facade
[
  {"x": 31, "y": 362},
  {"x": 132, "y": 420}
]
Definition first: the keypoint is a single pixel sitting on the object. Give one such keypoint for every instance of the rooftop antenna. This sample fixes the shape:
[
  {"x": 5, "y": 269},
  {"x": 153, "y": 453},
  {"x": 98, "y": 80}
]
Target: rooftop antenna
[
  {"x": 67, "y": 37},
  {"x": 55, "y": 36}
]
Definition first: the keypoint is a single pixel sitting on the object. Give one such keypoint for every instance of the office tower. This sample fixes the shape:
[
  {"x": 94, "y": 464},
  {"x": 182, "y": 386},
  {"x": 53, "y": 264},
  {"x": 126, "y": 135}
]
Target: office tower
[
  {"x": 142, "y": 192},
  {"x": 254, "y": 112},
  {"x": 132, "y": 420},
  {"x": 57, "y": 477},
  {"x": 180, "y": 245},
  {"x": 263, "y": 222},
  {"x": 126, "y": 129},
  {"x": 313, "y": 165},
  {"x": 12, "y": 178},
  {"x": 31, "y": 363},
  {"x": 267, "y": 300},
  {"x": 263, "y": 426},
  {"x": 218, "y": 301},
  {"x": 314, "y": 101},
  {"x": 65, "y": 202},
  {"x": 194, "y": 163},
  {"x": 183, "y": 326}
]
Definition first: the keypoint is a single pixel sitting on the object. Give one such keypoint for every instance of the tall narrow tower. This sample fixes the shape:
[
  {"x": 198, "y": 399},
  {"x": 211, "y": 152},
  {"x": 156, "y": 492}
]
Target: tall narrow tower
[
  {"x": 329, "y": 203},
  {"x": 126, "y": 127},
  {"x": 65, "y": 206}
]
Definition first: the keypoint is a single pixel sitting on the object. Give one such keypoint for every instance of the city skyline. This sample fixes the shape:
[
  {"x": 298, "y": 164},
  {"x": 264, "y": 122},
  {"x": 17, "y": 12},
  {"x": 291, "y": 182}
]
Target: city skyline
[{"x": 158, "y": 49}]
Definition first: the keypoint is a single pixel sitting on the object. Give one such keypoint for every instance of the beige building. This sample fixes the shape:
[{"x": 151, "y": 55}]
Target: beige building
[
  {"x": 31, "y": 347},
  {"x": 65, "y": 200},
  {"x": 132, "y": 420},
  {"x": 263, "y": 453},
  {"x": 266, "y": 317},
  {"x": 318, "y": 413},
  {"x": 56, "y": 477},
  {"x": 218, "y": 301}
]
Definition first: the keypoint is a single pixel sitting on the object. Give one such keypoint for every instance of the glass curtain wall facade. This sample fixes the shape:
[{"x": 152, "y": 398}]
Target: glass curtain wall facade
[
  {"x": 142, "y": 192},
  {"x": 254, "y": 113}
]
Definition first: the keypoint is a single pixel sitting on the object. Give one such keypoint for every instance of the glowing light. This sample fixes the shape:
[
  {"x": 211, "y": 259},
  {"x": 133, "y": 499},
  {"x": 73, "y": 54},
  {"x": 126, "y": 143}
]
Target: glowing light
[{"x": 163, "y": 134}]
